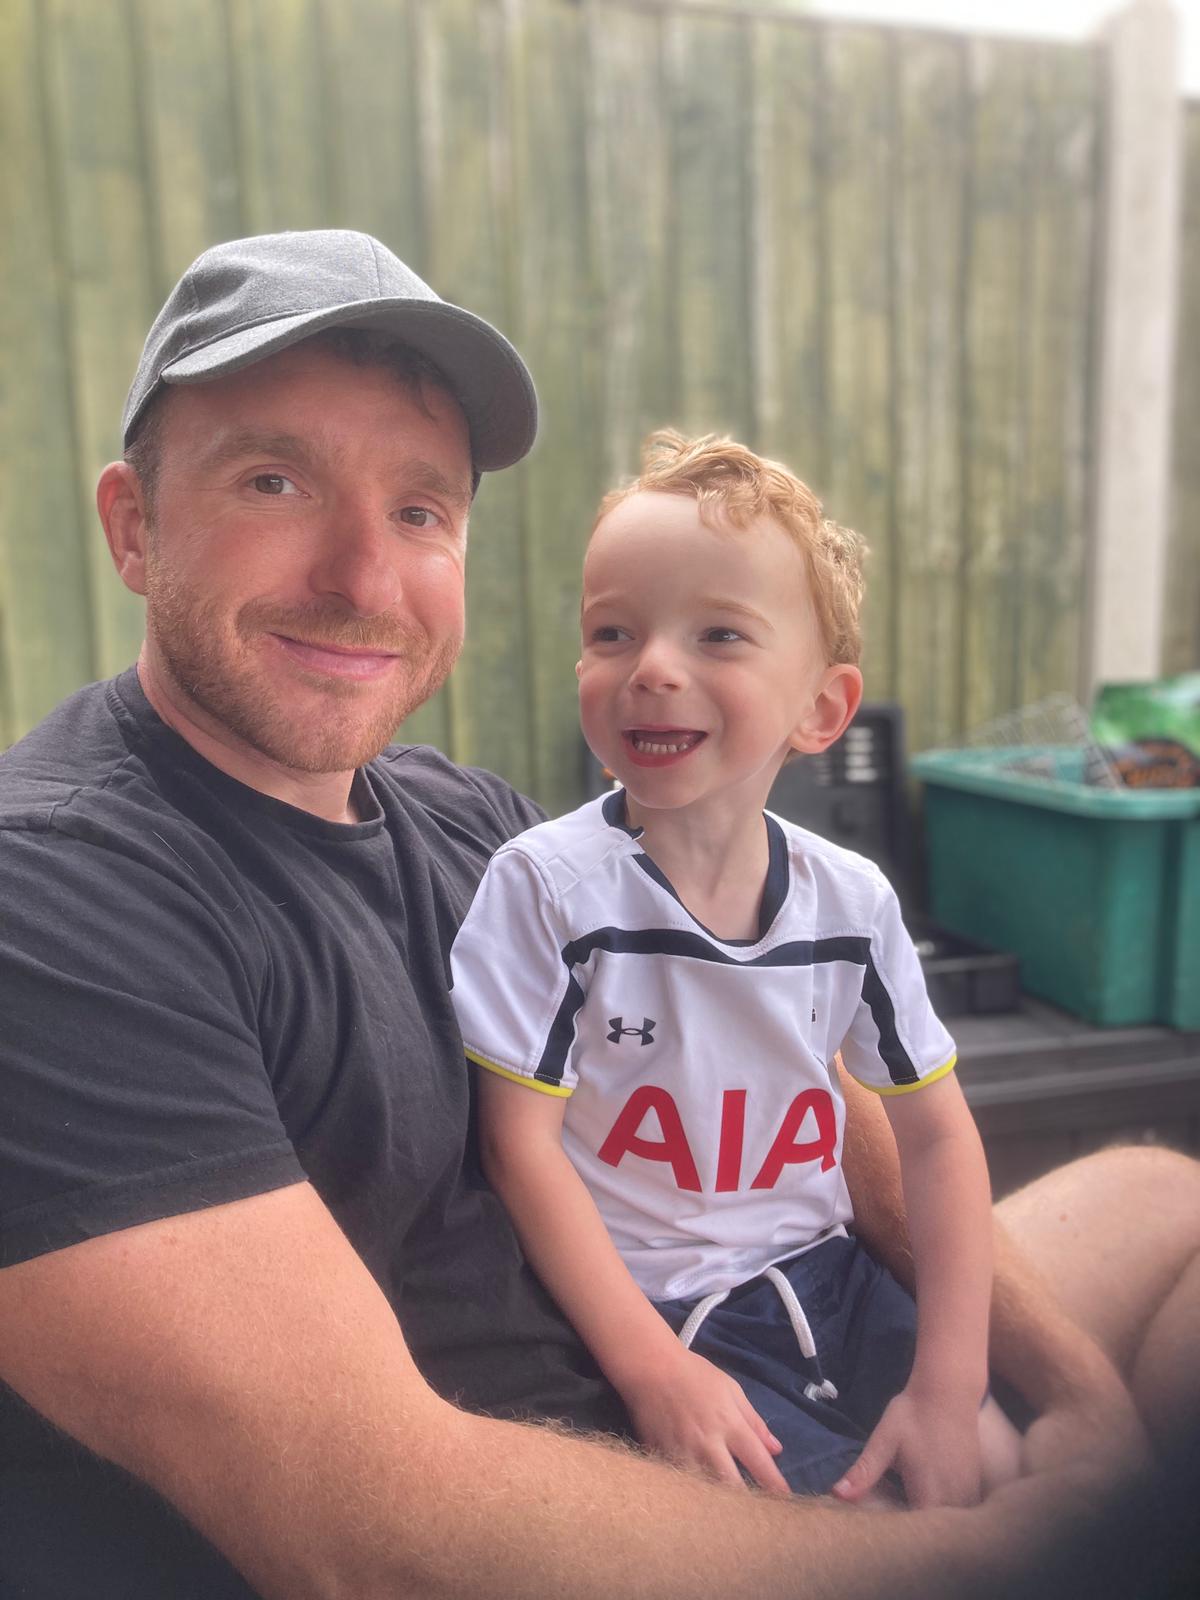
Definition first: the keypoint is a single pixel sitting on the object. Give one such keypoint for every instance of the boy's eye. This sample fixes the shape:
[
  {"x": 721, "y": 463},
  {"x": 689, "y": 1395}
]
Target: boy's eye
[
  {"x": 609, "y": 634},
  {"x": 419, "y": 517},
  {"x": 722, "y": 636},
  {"x": 274, "y": 483}
]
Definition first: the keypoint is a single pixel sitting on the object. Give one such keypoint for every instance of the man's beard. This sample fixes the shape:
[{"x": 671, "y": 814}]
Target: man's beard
[{"x": 202, "y": 657}]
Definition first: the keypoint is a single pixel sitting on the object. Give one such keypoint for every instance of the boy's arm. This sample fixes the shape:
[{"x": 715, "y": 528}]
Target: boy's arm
[
  {"x": 1033, "y": 1345},
  {"x": 681, "y": 1405},
  {"x": 930, "y": 1431}
]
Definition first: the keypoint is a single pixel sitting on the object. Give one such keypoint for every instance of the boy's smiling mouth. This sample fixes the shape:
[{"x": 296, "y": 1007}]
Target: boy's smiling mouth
[{"x": 657, "y": 744}]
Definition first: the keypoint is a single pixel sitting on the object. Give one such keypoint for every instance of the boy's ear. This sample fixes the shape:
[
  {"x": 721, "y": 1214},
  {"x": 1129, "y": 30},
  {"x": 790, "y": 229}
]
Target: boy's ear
[
  {"x": 579, "y": 669},
  {"x": 838, "y": 696}
]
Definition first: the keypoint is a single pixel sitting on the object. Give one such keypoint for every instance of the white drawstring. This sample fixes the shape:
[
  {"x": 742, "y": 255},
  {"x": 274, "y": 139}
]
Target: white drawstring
[
  {"x": 697, "y": 1315},
  {"x": 795, "y": 1312}
]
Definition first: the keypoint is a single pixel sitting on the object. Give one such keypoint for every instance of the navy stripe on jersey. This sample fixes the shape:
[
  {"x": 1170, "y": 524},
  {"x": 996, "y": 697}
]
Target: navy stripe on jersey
[
  {"x": 613, "y": 810},
  {"x": 679, "y": 942},
  {"x": 562, "y": 1033},
  {"x": 774, "y": 891}
]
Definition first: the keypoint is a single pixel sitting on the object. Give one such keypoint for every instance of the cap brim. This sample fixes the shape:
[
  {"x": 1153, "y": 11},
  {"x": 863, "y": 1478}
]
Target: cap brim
[{"x": 488, "y": 377}]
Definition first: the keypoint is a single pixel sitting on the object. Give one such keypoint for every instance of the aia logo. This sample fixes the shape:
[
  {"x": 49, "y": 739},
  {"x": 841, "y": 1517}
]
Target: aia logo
[
  {"x": 807, "y": 1132},
  {"x": 645, "y": 1033}
]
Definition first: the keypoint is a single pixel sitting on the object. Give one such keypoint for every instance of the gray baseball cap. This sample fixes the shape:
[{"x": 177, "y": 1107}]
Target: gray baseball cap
[{"x": 244, "y": 300}]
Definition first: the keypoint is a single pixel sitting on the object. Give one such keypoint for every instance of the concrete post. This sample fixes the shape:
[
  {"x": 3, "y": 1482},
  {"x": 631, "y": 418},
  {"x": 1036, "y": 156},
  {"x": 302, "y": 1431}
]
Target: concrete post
[{"x": 1131, "y": 518}]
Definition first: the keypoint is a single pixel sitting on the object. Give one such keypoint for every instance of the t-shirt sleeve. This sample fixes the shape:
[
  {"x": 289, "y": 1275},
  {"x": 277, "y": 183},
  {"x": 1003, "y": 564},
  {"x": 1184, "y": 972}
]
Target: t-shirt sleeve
[
  {"x": 515, "y": 995},
  {"x": 132, "y": 1082},
  {"x": 516, "y": 811},
  {"x": 896, "y": 1042}
]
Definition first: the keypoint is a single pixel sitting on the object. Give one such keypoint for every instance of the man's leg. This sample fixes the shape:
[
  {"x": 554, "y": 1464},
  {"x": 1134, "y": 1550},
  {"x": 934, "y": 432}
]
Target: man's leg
[{"x": 1118, "y": 1236}]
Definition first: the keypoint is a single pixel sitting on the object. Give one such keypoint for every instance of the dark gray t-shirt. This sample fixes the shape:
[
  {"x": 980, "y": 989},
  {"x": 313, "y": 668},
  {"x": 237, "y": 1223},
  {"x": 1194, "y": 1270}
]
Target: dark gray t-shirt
[{"x": 208, "y": 994}]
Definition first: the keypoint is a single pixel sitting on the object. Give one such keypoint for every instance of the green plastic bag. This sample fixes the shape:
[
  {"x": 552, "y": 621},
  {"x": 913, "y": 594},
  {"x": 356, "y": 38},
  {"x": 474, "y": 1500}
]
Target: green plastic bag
[{"x": 1152, "y": 730}]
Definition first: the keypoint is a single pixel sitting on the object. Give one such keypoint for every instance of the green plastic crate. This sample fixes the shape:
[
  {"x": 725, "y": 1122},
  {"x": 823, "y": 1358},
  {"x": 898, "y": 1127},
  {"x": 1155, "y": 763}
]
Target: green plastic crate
[{"x": 1096, "y": 890}]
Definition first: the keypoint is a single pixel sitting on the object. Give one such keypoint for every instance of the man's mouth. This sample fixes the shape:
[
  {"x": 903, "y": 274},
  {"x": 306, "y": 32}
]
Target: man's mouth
[
  {"x": 664, "y": 741},
  {"x": 339, "y": 660}
]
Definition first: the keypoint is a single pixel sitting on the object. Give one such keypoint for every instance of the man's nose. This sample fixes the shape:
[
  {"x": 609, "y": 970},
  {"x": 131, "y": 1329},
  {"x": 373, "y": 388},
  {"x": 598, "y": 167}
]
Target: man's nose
[
  {"x": 658, "y": 667},
  {"x": 360, "y": 561}
]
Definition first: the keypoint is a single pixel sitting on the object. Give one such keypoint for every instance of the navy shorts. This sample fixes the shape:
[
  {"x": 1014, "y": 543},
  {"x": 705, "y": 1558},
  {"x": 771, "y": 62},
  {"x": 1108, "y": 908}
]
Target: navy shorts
[{"x": 864, "y": 1327}]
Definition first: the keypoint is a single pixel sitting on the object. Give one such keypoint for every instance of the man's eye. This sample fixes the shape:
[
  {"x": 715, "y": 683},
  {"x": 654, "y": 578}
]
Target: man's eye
[
  {"x": 274, "y": 483},
  {"x": 419, "y": 517}
]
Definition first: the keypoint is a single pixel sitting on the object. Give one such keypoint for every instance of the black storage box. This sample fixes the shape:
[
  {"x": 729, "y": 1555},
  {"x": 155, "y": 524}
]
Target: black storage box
[
  {"x": 853, "y": 794},
  {"x": 965, "y": 978}
]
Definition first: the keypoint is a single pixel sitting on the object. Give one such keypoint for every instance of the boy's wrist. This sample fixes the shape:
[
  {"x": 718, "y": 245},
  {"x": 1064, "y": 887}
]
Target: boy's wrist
[
  {"x": 948, "y": 1381},
  {"x": 635, "y": 1372}
]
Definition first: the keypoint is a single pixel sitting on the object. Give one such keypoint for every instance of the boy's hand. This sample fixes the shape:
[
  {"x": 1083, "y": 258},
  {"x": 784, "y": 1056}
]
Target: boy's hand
[
  {"x": 697, "y": 1416},
  {"x": 931, "y": 1438}
]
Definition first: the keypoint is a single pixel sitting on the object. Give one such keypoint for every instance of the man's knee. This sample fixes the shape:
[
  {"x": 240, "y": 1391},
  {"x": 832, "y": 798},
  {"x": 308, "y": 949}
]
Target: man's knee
[{"x": 1122, "y": 1180}]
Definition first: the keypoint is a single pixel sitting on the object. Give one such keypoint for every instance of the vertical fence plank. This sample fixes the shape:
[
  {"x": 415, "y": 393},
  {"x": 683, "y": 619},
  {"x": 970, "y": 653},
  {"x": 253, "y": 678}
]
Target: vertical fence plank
[
  {"x": 998, "y": 354},
  {"x": 373, "y": 104},
  {"x": 555, "y": 319},
  {"x": 711, "y": 131},
  {"x": 285, "y": 146},
  {"x": 1061, "y": 211},
  {"x": 45, "y": 620},
  {"x": 860, "y": 102},
  {"x": 1182, "y": 645},
  {"x": 190, "y": 131},
  {"x": 788, "y": 244},
  {"x": 929, "y": 267},
  {"x": 98, "y": 138},
  {"x": 632, "y": 210}
]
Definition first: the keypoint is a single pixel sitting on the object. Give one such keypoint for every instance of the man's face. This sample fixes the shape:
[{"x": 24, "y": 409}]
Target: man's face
[{"x": 305, "y": 563}]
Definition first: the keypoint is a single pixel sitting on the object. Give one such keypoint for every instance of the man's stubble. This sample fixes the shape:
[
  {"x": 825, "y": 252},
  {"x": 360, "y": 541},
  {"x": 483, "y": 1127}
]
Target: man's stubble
[{"x": 218, "y": 667}]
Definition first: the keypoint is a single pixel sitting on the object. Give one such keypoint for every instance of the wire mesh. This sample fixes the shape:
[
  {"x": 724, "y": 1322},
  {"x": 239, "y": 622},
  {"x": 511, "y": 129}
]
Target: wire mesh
[{"x": 1050, "y": 741}]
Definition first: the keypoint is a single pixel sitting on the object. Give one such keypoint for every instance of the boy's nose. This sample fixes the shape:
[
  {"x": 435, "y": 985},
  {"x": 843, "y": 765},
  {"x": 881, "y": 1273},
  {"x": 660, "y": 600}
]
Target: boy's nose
[{"x": 658, "y": 668}]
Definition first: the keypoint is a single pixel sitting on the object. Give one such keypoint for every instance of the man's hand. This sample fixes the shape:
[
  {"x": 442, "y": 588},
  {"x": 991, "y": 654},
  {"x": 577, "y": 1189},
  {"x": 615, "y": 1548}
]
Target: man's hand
[
  {"x": 931, "y": 1438},
  {"x": 697, "y": 1416}
]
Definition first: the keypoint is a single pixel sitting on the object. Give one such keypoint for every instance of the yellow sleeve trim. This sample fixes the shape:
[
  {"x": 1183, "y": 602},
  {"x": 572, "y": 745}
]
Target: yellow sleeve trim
[
  {"x": 517, "y": 1077},
  {"x": 921, "y": 1083}
]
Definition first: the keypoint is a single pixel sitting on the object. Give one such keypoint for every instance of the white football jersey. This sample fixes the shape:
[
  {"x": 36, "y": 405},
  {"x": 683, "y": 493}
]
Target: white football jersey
[{"x": 703, "y": 1109}]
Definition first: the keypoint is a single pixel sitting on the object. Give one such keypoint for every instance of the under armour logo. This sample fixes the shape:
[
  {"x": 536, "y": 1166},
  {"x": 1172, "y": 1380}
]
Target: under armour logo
[{"x": 645, "y": 1033}]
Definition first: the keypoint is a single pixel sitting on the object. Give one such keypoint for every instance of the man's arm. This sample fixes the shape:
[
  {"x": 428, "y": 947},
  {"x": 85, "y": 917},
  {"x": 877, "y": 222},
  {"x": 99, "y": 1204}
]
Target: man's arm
[
  {"x": 243, "y": 1362},
  {"x": 1033, "y": 1345}
]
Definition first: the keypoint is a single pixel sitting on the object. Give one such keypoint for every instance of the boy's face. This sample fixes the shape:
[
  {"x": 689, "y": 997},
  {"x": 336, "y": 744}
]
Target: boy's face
[{"x": 702, "y": 663}]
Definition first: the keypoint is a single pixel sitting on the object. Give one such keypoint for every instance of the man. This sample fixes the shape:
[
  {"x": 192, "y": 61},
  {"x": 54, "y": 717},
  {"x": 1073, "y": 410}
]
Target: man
[{"x": 263, "y": 1326}]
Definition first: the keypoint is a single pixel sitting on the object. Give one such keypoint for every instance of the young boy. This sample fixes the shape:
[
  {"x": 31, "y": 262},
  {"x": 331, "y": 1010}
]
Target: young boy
[{"x": 671, "y": 971}]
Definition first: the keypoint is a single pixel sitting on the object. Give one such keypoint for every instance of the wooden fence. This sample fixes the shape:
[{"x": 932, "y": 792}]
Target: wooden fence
[{"x": 870, "y": 252}]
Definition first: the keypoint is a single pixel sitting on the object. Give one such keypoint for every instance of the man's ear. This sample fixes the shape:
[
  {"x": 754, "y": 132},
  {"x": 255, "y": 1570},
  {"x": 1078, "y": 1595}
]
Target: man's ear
[
  {"x": 121, "y": 502},
  {"x": 833, "y": 706}
]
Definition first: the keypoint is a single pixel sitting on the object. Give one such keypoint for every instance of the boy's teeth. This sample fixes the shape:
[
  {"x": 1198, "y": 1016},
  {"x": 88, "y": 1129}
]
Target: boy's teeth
[{"x": 662, "y": 747}]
